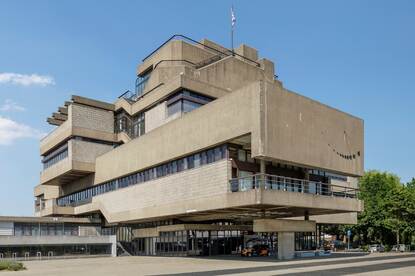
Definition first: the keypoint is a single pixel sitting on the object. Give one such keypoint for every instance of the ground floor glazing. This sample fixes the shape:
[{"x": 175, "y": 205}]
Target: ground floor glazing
[
  {"x": 209, "y": 243},
  {"x": 50, "y": 251}
]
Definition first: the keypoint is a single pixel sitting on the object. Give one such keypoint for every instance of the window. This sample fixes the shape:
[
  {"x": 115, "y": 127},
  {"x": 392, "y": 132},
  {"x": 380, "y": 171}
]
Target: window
[
  {"x": 174, "y": 108},
  {"x": 55, "y": 157},
  {"x": 133, "y": 126},
  {"x": 141, "y": 82},
  {"x": 185, "y": 101},
  {"x": 138, "y": 125},
  {"x": 191, "y": 162},
  {"x": 189, "y": 106},
  {"x": 241, "y": 155}
]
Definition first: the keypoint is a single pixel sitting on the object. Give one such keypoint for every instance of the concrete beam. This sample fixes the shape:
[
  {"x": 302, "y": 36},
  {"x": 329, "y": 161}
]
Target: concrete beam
[
  {"x": 154, "y": 232},
  {"x": 63, "y": 110},
  {"x": 54, "y": 121},
  {"x": 93, "y": 103},
  {"x": 284, "y": 225},
  {"x": 344, "y": 218},
  {"x": 59, "y": 116}
]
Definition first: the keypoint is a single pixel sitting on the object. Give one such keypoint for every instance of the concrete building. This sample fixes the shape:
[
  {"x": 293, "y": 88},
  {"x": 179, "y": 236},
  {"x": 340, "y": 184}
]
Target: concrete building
[{"x": 209, "y": 153}]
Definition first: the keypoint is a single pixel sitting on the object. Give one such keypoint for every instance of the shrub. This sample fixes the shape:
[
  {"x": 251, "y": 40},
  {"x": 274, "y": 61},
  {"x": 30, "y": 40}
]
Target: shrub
[{"x": 12, "y": 266}]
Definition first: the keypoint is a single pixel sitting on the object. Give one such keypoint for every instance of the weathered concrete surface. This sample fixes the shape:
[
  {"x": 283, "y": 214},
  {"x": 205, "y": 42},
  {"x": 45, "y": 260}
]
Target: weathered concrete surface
[
  {"x": 284, "y": 225},
  {"x": 342, "y": 264},
  {"x": 82, "y": 121},
  {"x": 286, "y": 245}
]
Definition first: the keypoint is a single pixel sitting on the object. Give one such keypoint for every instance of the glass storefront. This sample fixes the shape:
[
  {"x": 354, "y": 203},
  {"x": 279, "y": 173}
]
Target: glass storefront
[
  {"x": 190, "y": 243},
  {"x": 305, "y": 241},
  {"x": 210, "y": 243}
]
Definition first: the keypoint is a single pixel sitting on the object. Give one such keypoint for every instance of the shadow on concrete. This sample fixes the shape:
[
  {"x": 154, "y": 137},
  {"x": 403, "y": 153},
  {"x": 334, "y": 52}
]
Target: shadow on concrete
[
  {"x": 359, "y": 269},
  {"x": 313, "y": 264},
  {"x": 274, "y": 258}
]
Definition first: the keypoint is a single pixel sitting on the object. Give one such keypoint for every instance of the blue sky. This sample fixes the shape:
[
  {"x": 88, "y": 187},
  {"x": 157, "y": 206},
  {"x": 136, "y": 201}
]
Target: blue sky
[{"x": 358, "y": 56}]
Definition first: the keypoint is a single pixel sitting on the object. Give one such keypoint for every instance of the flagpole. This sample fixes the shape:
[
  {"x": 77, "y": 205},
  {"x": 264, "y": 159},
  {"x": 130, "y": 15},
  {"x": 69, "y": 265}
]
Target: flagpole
[
  {"x": 233, "y": 20},
  {"x": 232, "y": 40}
]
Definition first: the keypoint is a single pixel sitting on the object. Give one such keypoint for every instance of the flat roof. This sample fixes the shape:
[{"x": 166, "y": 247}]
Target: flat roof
[{"x": 47, "y": 219}]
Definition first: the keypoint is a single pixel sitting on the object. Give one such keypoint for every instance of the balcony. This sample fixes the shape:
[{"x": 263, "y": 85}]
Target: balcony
[
  {"x": 287, "y": 184},
  {"x": 49, "y": 207}
]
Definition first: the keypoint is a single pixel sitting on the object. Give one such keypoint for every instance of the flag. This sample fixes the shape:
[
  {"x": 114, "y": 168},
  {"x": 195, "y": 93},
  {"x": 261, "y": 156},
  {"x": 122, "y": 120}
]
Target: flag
[{"x": 233, "y": 18}]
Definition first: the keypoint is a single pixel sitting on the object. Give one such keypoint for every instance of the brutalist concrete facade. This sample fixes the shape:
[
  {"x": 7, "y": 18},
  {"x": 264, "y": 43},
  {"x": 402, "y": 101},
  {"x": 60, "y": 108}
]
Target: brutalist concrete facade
[{"x": 209, "y": 137}]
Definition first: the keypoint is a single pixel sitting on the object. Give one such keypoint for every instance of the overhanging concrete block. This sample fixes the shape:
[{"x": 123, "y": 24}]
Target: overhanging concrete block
[{"x": 284, "y": 225}]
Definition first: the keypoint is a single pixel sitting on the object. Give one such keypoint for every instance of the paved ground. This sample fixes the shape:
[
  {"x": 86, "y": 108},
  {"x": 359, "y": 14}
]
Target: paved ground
[{"x": 339, "y": 264}]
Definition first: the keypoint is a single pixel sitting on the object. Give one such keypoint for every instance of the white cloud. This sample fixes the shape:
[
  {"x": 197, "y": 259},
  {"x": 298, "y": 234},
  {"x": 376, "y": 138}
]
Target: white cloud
[
  {"x": 10, "y": 131},
  {"x": 10, "y": 105},
  {"x": 26, "y": 80}
]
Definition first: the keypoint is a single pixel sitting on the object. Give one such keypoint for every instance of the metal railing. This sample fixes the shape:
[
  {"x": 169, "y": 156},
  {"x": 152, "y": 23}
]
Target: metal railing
[
  {"x": 218, "y": 55},
  {"x": 216, "y": 51},
  {"x": 77, "y": 203},
  {"x": 282, "y": 183}
]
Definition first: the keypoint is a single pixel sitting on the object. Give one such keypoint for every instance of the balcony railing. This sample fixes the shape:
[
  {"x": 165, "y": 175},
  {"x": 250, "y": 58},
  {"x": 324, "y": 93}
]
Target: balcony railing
[{"x": 281, "y": 183}]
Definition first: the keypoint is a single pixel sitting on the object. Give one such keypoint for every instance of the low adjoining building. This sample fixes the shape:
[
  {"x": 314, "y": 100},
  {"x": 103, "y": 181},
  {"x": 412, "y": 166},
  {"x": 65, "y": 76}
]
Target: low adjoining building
[{"x": 29, "y": 238}]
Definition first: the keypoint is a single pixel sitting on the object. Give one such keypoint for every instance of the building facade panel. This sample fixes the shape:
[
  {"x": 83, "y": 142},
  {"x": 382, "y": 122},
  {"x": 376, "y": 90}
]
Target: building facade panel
[
  {"x": 303, "y": 131},
  {"x": 132, "y": 203}
]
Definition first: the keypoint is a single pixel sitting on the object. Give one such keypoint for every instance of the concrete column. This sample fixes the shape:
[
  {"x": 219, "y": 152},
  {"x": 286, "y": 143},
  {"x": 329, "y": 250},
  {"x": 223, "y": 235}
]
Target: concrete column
[
  {"x": 262, "y": 171},
  {"x": 147, "y": 246},
  {"x": 113, "y": 240},
  {"x": 306, "y": 174},
  {"x": 262, "y": 166},
  {"x": 286, "y": 245}
]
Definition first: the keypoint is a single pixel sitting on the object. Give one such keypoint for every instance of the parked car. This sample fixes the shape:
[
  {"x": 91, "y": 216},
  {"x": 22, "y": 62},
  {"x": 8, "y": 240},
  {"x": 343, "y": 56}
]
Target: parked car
[
  {"x": 255, "y": 250},
  {"x": 376, "y": 248},
  {"x": 401, "y": 248}
]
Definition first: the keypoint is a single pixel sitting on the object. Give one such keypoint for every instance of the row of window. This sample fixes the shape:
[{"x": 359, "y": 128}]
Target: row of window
[
  {"x": 52, "y": 160},
  {"x": 140, "y": 83},
  {"x": 62, "y": 152},
  {"x": 172, "y": 167},
  {"x": 182, "y": 106},
  {"x": 51, "y": 229},
  {"x": 185, "y": 101}
]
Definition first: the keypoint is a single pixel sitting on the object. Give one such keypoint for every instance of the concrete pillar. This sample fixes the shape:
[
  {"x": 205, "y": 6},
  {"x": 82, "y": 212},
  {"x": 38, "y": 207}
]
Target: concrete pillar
[
  {"x": 147, "y": 246},
  {"x": 262, "y": 166},
  {"x": 113, "y": 241},
  {"x": 286, "y": 245},
  {"x": 262, "y": 171}
]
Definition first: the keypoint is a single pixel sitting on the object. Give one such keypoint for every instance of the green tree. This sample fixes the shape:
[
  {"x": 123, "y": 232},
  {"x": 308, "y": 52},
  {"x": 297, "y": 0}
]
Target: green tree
[{"x": 389, "y": 209}]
